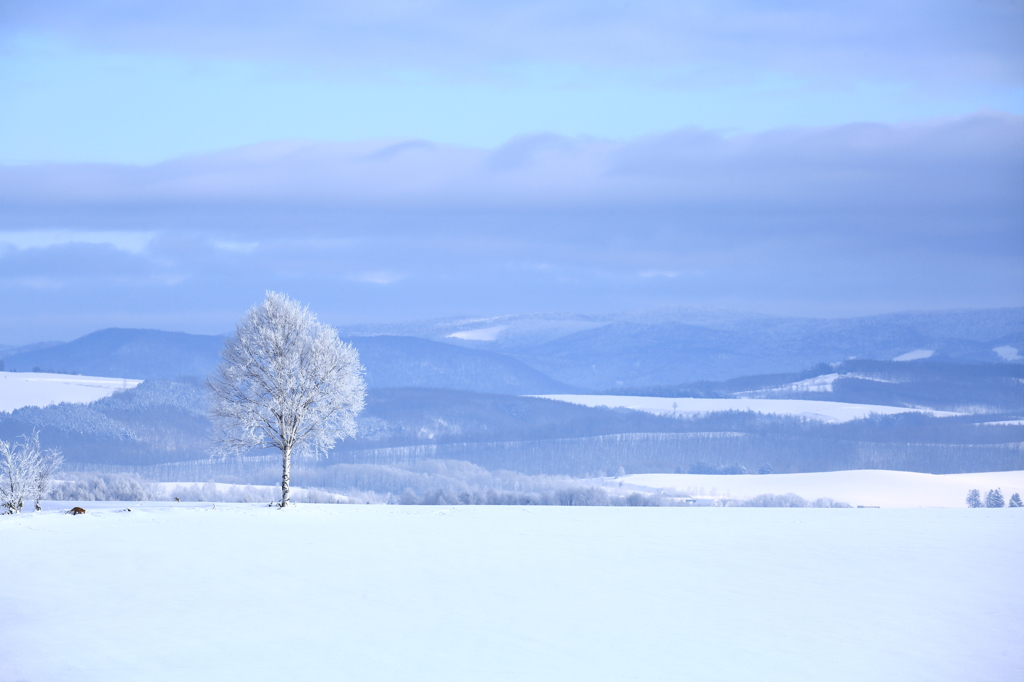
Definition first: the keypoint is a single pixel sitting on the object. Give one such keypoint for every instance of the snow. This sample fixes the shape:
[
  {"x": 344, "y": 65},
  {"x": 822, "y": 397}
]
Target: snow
[
  {"x": 900, "y": 489},
  {"x": 380, "y": 593},
  {"x": 821, "y": 410},
  {"x": 815, "y": 384},
  {"x": 24, "y": 389},
  {"x": 919, "y": 354},
  {"x": 819, "y": 384},
  {"x": 168, "y": 487},
  {"x": 486, "y": 334},
  {"x": 235, "y": 492},
  {"x": 1007, "y": 352}
]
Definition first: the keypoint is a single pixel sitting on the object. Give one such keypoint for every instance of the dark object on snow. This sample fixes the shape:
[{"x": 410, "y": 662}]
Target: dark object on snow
[
  {"x": 76, "y": 511},
  {"x": 177, "y": 499}
]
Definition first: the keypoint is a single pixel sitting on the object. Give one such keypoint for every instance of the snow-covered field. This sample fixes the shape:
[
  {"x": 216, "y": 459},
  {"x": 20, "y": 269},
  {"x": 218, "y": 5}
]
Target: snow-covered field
[
  {"x": 366, "y": 592},
  {"x": 900, "y": 489},
  {"x": 24, "y": 389},
  {"x": 821, "y": 410},
  {"x": 237, "y": 492}
]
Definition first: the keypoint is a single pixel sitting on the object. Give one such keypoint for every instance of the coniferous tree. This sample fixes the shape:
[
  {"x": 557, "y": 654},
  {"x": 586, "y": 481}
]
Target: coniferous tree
[
  {"x": 974, "y": 499},
  {"x": 994, "y": 498},
  {"x": 1015, "y": 500}
]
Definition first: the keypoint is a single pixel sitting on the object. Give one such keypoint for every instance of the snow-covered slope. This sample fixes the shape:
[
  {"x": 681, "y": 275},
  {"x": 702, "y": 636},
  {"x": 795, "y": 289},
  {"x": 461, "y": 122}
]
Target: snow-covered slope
[
  {"x": 22, "y": 389},
  {"x": 820, "y": 410},
  {"x": 901, "y": 489},
  {"x": 382, "y": 593}
]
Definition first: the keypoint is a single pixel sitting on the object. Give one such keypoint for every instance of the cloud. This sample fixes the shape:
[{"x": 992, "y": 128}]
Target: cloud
[
  {"x": 963, "y": 164},
  {"x": 132, "y": 242},
  {"x": 853, "y": 219},
  {"x": 57, "y": 265}
]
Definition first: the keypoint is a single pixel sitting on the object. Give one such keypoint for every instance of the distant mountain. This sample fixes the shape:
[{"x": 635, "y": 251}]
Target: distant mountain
[
  {"x": 528, "y": 354},
  {"x": 624, "y": 354},
  {"x": 680, "y": 345},
  {"x": 513, "y": 333},
  {"x": 980, "y": 388},
  {"x": 130, "y": 353},
  {"x": 6, "y": 351},
  {"x": 390, "y": 361},
  {"x": 405, "y": 361}
]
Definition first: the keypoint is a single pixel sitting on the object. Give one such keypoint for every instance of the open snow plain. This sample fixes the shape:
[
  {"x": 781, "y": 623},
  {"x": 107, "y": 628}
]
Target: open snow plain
[
  {"x": 366, "y": 592},
  {"x": 820, "y": 410},
  {"x": 869, "y": 487},
  {"x": 24, "y": 389}
]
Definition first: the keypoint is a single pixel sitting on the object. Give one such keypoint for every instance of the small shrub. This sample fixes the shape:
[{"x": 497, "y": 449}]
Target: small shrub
[{"x": 641, "y": 500}]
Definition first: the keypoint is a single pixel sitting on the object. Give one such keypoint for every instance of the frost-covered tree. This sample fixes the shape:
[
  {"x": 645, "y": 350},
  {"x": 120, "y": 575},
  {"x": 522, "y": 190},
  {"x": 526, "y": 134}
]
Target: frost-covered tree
[
  {"x": 974, "y": 499},
  {"x": 285, "y": 381},
  {"x": 26, "y": 472},
  {"x": 994, "y": 498},
  {"x": 15, "y": 478},
  {"x": 1015, "y": 500}
]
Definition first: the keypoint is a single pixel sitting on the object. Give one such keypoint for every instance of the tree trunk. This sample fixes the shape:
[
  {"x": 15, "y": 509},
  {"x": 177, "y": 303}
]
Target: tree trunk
[{"x": 286, "y": 492}]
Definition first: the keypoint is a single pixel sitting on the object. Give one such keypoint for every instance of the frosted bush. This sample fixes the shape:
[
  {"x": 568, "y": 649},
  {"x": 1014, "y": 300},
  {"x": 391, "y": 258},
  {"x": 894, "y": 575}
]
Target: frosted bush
[{"x": 26, "y": 472}]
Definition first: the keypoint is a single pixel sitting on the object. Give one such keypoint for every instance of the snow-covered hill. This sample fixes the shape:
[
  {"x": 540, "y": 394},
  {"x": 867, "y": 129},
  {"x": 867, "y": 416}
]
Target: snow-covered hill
[
  {"x": 819, "y": 410},
  {"x": 24, "y": 389},
  {"x": 380, "y": 593}
]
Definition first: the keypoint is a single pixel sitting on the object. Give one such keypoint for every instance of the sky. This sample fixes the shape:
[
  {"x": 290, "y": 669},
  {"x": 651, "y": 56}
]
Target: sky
[{"x": 163, "y": 164}]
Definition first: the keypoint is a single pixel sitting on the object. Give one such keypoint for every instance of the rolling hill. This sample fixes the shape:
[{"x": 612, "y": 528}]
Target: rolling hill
[{"x": 390, "y": 361}]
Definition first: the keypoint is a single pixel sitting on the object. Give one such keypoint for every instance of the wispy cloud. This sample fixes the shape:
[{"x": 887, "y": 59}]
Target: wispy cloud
[{"x": 130, "y": 241}]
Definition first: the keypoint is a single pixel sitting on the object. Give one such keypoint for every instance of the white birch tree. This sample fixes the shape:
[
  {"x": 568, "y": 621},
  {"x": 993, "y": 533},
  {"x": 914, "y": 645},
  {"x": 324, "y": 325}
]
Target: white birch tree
[
  {"x": 287, "y": 382},
  {"x": 26, "y": 471}
]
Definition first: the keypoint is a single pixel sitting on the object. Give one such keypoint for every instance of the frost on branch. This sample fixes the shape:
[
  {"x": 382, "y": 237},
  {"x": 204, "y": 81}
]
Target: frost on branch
[
  {"x": 285, "y": 381},
  {"x": 26, "y": 472}
]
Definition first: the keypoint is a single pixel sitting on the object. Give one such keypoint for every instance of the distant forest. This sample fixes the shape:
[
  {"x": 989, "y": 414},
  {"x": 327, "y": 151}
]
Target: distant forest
[{"x": 160, "y": 431}]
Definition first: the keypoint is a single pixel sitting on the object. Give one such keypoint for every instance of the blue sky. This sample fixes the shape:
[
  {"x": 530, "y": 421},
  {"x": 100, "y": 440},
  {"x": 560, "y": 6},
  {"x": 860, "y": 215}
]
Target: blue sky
[
  {"x": 137, "y": 82},
  {"x": 164, "y": 163}
]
